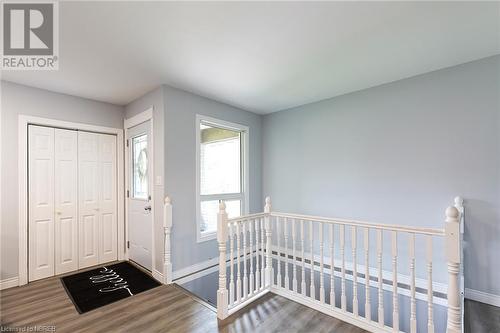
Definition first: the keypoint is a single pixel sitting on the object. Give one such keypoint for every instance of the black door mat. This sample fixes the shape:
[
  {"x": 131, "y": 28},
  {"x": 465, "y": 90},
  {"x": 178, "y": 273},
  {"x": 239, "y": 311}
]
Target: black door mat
[{"x": 101, "y": 286}]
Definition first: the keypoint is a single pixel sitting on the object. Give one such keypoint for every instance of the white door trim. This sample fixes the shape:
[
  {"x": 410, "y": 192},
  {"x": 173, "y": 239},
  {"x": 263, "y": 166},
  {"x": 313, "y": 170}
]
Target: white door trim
[
  {"x": 127, "y": 124},
  {"x": 138, "y": 119},
  {"x": 23, "y": 122}
]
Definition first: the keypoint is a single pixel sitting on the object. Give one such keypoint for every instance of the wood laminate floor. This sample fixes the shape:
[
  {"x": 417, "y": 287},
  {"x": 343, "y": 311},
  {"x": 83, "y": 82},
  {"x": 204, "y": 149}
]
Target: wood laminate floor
[{"x": 162, "y": 309}]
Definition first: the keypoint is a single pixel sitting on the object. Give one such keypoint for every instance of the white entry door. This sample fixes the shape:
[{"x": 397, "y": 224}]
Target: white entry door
[{"x": 139, "y": 200}]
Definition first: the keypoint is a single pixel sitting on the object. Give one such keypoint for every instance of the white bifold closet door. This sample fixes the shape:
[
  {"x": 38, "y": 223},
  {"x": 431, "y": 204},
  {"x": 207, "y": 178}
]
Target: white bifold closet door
[
  {"x": 108, "y": 189},
  {"x": 53, "y": 213},
  {"x": 72, "y": 200},
  {"x": 66, "y": 201},
  {"x": 41, "y": 202},
  {"x": 97, "y": 230}
]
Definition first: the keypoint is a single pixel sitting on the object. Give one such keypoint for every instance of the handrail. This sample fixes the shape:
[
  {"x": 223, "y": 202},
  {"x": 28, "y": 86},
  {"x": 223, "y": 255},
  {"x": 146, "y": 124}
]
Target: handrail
[
  {"x": 246, "y": 217},
  {"x": 348, "y": 222},
  {"x": 372, "y": 225}
]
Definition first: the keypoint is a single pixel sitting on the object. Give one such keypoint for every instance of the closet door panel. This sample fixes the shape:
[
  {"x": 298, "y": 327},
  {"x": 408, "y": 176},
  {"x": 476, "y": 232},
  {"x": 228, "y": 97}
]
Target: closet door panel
[
  {"x": 108, "y": 219},
  {"x": 89, "y": 180},
  {"x": 66, "y": 201},
  {"x": 41, "y": 202}
]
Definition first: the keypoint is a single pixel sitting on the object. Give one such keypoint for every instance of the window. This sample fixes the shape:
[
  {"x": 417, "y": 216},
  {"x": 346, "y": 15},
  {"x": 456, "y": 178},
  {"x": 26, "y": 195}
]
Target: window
[
  {"x": 221, "y": 172},
  {"x": 140, "y": 167}
]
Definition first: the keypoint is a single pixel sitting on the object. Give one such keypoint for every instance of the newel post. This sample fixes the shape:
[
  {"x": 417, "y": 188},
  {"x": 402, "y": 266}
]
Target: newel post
[
  {"x": 222, "y": 294},
  {"x": 453, "y": 256},
  {"x": 269, "y": 262},
  {"x": 459, "y": 204},
  {"x": 167, "y": 229}
]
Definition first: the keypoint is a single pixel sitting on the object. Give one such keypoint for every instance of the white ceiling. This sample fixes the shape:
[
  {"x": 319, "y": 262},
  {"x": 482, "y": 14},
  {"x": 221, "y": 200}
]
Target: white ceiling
[{"x": 259, "y": 56}]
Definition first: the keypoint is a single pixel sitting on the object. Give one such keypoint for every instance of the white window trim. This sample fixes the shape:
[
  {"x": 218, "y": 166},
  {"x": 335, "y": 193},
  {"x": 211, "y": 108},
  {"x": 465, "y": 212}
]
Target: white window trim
[{"x": 245, "y": 137}]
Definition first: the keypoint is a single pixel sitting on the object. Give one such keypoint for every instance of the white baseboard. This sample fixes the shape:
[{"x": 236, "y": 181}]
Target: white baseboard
[
  {"x": 9, "y": 283},
  {"x": 249, "y": 300},
  {"x": 158, "y": 276},
  {"x": 337, "y": 313},
  {"x": 482, "y": 297},
  {"x": 180, "y": 273},
  {"x": 200, "y": 269},
  {"x": 197, "y": 275}
]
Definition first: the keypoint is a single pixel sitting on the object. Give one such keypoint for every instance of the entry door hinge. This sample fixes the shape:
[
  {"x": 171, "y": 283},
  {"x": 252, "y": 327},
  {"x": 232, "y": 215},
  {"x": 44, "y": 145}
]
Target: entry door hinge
[
  {"x": 128, "y": 194},
  {"x": 128, "y": 244},
  {"x": 127, "y": 143}
]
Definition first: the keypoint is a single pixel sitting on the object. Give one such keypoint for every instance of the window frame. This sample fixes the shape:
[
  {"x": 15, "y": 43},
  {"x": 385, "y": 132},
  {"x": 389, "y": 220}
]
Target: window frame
[{"x": 243, "y": 195}]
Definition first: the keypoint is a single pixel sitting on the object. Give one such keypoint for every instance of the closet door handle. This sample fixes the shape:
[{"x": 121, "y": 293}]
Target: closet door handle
[
  {"x": 58, "y": 212},
  {"x": 96, "y": 209}
]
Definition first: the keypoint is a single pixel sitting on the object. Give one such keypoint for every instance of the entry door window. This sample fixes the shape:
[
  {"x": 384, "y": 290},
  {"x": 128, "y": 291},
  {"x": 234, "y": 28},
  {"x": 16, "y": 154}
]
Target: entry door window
[{"x": 140, "y": 167}]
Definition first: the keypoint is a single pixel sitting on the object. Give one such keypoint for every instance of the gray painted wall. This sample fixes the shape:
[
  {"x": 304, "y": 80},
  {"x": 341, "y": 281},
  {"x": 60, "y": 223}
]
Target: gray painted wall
[
  {"x": 335, "y": 158},
  {"x": 155, "y": 99},
  {"x": 398, "y": 153},
  {"x": 180, "y": 168},
  {"x": 19, "y": 99}
]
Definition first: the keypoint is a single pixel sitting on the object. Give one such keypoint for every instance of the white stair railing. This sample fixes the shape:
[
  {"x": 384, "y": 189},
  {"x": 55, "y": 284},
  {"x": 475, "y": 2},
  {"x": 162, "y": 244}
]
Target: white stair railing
[
  {"x": 222, "y": 294},
  {"x": 459, "y": 205},
  {"x": 308, "y": 243},
  {"x": 453, "y": 254},
  {"x": 250, "y": 268}
]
